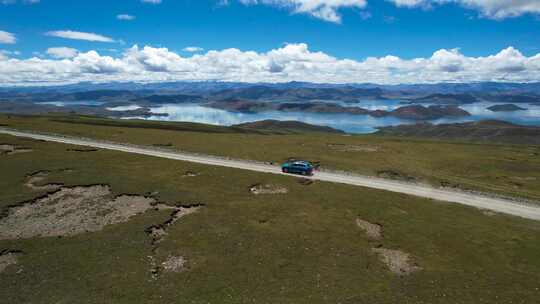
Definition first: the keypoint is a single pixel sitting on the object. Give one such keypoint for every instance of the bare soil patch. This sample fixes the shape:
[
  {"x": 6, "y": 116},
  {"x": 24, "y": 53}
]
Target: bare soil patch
[
  {"x": 397, "y": 261},
  {"x": 258, "y": 189},
  {"x": 7, "y": 149},
  {"x": 373, "y": 231},
  {"x": 157, "y": 234},
  {"x": 352, "y": 148},
  {"x": 70, "y": 211},
  {"x": 174, "y": 264},
  {"x": 8, "y": 258}
]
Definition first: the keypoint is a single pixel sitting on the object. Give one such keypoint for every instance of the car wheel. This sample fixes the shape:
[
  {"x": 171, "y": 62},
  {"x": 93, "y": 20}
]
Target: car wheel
[{"x": 285, "y": 170}]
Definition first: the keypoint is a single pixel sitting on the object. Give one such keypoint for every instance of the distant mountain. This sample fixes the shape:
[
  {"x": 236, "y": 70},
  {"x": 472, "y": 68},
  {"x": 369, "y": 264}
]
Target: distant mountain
[
  {"x": 198, "y": 87},
  {"x": 262, "y": 92},
  {"x": 483, "y": 131},
  {"x": 161, "y": 99},
  {"x": 96, "y": 95},
  {"x": 286, "y": 127},
  {"x": 512, "y": 98}
]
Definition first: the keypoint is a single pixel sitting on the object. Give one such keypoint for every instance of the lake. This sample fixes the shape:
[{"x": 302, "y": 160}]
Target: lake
[{"x": 347, "y": 122}]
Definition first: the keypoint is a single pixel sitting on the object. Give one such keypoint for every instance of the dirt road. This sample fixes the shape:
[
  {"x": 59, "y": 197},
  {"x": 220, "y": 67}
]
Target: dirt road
[{"x": 475, "y": 200}]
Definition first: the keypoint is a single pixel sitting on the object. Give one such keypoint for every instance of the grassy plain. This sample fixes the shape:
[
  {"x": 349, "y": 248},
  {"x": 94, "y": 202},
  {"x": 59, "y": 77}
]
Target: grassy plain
[
  {"x": 300, "y": 247},
  {"x": 512, "y": 170}
]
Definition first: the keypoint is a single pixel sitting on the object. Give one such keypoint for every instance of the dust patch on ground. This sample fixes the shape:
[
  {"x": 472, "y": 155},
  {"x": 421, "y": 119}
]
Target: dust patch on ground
[
  {"x": 71, "y": 211},
  {"x": 7, "y": 149},
  {"x": 8, "y": 258},
  {"x": 373, "y": 231},
  {"x": 397, "y": 261},
  {"x": 258, "y": 189},
  {"x": 352, "y": 148},
  {"x": 33, "y": 180},
  {"x": 395, "y": 175},
  {"x": 174, "y": 264},
  {"x": 158, "y": 233}
]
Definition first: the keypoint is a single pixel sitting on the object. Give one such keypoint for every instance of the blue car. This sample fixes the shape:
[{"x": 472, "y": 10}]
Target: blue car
[{"x": 297, "y": 167}]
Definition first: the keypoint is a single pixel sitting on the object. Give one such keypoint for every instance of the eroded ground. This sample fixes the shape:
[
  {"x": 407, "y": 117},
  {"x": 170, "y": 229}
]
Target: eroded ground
[
  {"x": 70, "y": 211},
  {"x": 397, "y": 261}
]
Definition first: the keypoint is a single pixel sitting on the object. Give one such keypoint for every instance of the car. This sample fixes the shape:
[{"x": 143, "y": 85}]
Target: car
[{"x": 298, "y": 167}]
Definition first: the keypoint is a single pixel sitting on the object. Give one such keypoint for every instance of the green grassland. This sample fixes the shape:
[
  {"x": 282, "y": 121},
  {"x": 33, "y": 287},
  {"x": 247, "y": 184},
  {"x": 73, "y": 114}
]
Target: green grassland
[
  {"x": 302, "y": 247},
  {"x": 512, "y": 170}
]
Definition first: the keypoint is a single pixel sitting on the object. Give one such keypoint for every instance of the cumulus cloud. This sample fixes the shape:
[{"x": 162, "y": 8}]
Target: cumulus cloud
[
  {"x": 192, "y": 49},
  {"x": 125, "y": 17},
  {"x": 323, "y": 9},
  {"x": 328, "y": 10},
  {"x": 62, "y": 52},
  {"x": 68, "y": 34},
  {"x": 495, "y": 9},
  {"x": 7, "y": 38},
  {"x": 292, "y": 62}
]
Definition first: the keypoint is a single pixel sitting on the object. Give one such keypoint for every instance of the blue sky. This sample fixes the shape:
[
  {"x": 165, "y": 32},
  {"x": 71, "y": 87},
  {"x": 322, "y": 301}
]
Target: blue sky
[
  {"x": 344, "y": 29},
  {"x": 175, "y": 24}
]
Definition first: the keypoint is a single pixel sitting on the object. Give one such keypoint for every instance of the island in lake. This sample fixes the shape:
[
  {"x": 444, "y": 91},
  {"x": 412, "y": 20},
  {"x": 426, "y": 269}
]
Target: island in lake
[
  {"x": 411, "y": 112},
  {"x": 505, "y": 108}
]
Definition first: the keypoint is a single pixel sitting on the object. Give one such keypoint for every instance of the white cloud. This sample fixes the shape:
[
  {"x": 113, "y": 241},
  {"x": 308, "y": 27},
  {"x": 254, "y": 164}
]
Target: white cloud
[
  {"x": 6, "y": 2},
  {"x": 7, "y": 38},
  {"x": 151, "y": 1},
  {"x": 67, "y": 34},
  {"x": 495, "y": 9},
  {"x": 125, "y": 17},
  {"x": 62, "y": 52},
  {"x": 328, "y": 10},
  {"x": 192, "y": 49},
  {"x": 323, "y": 9},
  {"x": 292, "y": 62}
]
